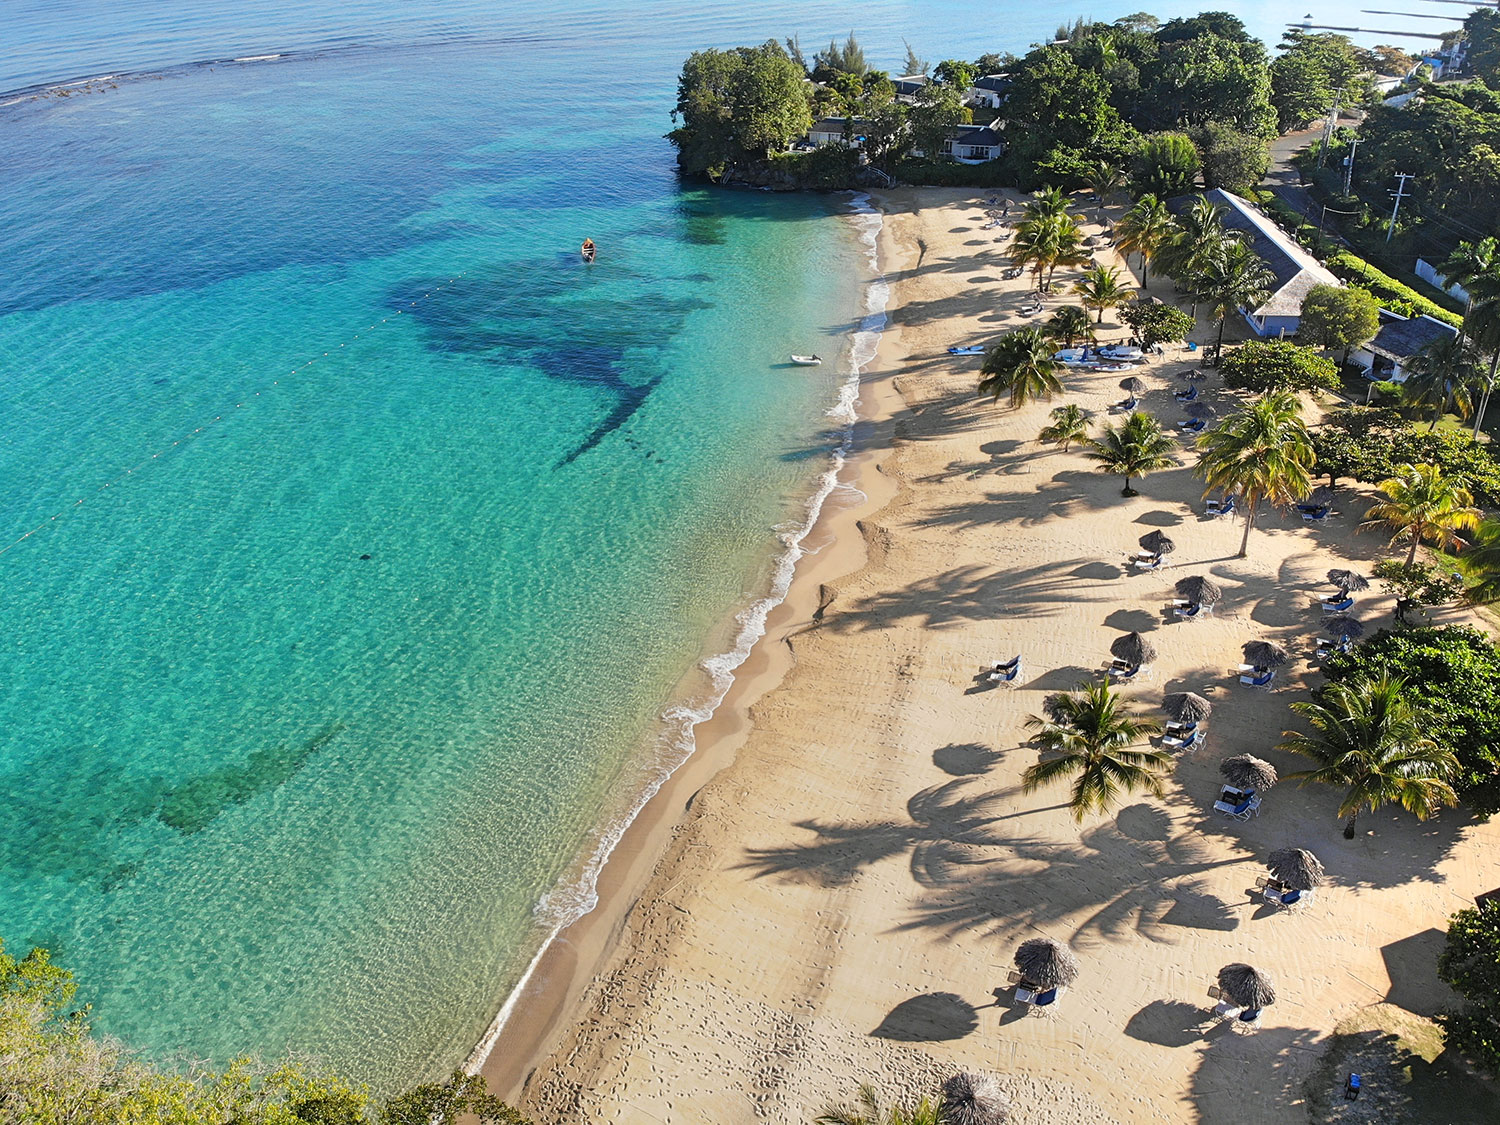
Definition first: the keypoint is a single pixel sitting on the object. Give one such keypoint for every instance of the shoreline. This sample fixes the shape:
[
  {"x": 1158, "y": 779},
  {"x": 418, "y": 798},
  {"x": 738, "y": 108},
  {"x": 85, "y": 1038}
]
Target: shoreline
[{"x": 620, "y": 866}]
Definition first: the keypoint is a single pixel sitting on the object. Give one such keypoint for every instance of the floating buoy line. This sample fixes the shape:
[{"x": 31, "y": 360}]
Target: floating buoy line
[{"x": 198, "y": 430}]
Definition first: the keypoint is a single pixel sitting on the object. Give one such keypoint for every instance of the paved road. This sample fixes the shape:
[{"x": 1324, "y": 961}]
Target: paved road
[{"x": 1283, "y": 179}]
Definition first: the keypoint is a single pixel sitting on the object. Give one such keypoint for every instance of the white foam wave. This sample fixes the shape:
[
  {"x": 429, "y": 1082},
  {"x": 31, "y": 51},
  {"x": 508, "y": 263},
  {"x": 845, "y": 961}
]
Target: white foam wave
[{"x": 568, "y": 902}]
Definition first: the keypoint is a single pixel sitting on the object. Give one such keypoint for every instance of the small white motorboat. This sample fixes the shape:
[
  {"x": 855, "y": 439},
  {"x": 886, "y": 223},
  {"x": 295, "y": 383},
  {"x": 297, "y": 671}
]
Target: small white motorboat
[{"x": 806, "y": 360}]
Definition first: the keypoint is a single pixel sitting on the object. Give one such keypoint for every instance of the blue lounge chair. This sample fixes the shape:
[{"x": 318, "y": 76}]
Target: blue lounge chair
[
  {"x": 1192, "y": 347},
  {"x": 1337, "y": 607},
  {"x": 1192, "y": 425},
  {"x": 1128, "y": 404},
  {"x": 1180, "y": 730},
  {"x": 1125, "y": 671},
  {"x": 1188, "y": 611},
  {"x": 1005, "y": 673},
  {"x": 1317, "y": 516},
  {"x": 1227, "y": 508},
  {"x": 1291, "y": 898},
  {"x": 1260, "y": 679},
  {"x": 1186, "y": 396},
  {"x": 1310, "y": 507},
  {"x": 1185, "y": 741}
]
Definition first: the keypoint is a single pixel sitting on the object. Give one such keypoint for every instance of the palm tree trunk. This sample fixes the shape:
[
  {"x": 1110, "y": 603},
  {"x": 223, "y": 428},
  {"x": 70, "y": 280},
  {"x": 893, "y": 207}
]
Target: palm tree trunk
[
  {"x": 1349, "y": 825},
  {"x": 1485, "y": 401},
  {"x": 1249, "y": 522},
  {"x": 1100, "y": 318},
  {"x": 1219, "y": 345},
  {"x": 1416, "y": 541},
  {"x": 1126, "y": 490}
]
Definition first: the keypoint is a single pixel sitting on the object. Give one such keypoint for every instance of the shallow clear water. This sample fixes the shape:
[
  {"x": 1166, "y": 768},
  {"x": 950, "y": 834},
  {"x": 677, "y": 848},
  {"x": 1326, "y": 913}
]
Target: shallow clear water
[{"x": 263, "y": 791}]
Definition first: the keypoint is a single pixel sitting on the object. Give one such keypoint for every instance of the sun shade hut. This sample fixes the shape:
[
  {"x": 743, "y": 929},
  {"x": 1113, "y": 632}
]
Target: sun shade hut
[
  {"x": 1265, "y": 654},
  {"x": 1133, "y": 649},
  {"x": 1348, "y": 581},
  {"x": 1200, "y": 410},
  {"x": 1134, "y": 385},
  {"x": 1157, "y": 543},
  {"x": 1246, "y": 986},
  {"x": 1186, "y": 707},
  {"x": 1295, "y": 868},
  {"x": 1343, "y": 625},
  {"x": 973, "y": 1099},
  {"x": 1047, "y": 963},
  {"x": 1244, "y": 771},
  {"x": 1198, "y": 590}
]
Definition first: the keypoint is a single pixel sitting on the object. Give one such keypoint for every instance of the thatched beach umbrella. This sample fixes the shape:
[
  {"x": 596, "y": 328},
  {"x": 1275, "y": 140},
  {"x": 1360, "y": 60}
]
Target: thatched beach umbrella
[
  {"x": 973, "y": 1099},
  {"x": 1047, "y": 963},
  {"x": 1246, "y": 986},
  {"x": 1295, "y": 868},
  {"x": 1342, "y": 625},
  {"x": 1198, "y": 590},
  {"x": 1348, "y": 581},
  {"x": 1200, "y": 410},
  {"x": 1265, "y": 654},
  {"x": 1320, "y": 495},
  {"x": 1133, "y": 385},
  {"x": 1186, "y": 707},
  {"x": 1134, "y": 649},
  {"x": 1157, "y": 543},
  {"x": 1244, "y": 771}
]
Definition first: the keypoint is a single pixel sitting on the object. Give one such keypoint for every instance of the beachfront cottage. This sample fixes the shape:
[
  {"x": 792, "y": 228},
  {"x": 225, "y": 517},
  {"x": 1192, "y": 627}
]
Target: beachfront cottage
[
  {"x": 837, "y": 131},
  {"x": 988, "y": 92},
  {"x": 975, "y": 145},
  {"x": 1296, "y": 271},
  {"x": 1399, "y": 339}
]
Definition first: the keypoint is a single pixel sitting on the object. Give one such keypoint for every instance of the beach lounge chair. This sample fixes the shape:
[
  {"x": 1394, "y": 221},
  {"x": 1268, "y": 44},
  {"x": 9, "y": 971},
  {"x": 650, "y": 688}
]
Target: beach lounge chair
[
  {"x": 1150, "y": 562},
  {"x": 1005, "y": 673},
  {"x": 1185, "y": 741},
  {"x": 1260, "y": 679},
  {"x": 1122, "y": 671},
  {"x": 1191, "y": 425},
  {"x": 1186, "y": 396},
  {"x": 1217, "y": 508},
  {"x": 1317, "y": 516},
  {"x": 1339, "y": 606},
  {"x": 1180, "y": 729},
  {"x": 1310, "y": 507},
  {"x": 1126, "y": 404},
  {"x": 1188, "y": 611}
]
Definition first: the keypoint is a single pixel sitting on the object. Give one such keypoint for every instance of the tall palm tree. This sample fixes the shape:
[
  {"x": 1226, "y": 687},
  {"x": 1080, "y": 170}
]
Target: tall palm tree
[
  {"x": 1037, "y": 243},
  {"x": 1049, "y": 202},
  {"x": 1481, "y": 561},
  {"x": 1236, "y": 279},
  {"x": 1105, "y": 180},
  {"x": 1070, "y": 323},
  {"x": 1145, "y": 229},
  {"x": 870, "y": 1112},
  {"x": 1468, "y": 262},
  {"x": 1201, "y": 240},
  {"x": 1441, "y": 375},
  {"x": 1091, "y": 735},
  {"x": 1482, "y": 325},
  {"x": 1262, "y": 451},
  {"x": 1367, "y": 737},
  {"x": 1069, "y": 424},
  {"x": 1424, "y": 506},
  {"x": 1134, "y": 448},
  {"x": 1021, "y": 365},
  {"x": 1068, "y": 243},
  {"x": 1102, "y": 289}
]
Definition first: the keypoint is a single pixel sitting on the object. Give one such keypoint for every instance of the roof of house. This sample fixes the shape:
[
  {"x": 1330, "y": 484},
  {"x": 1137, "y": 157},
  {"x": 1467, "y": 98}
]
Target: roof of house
[
  {"x": 910, "y": 83},
  {"x": 1296, "y": 271},
  {"x": 995, "y": 83},
  {"x": 836, "y": 124},
  {"x": 981, "y": 136},
  {"x": 1399, "y": 339}
]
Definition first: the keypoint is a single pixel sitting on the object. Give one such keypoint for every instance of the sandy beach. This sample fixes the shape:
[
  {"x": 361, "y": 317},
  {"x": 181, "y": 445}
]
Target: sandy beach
[{"x": 832, "y": 892}]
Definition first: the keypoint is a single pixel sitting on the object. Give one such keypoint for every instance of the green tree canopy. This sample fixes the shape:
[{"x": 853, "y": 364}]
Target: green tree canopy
[
  {"x": 1056, "y": 104},
  {"x": 1021, "y": 366},
  {"x": 1262, "y": 451},
  {"x": 1338, "y": 318},
  {"x": 836, "y": 59},
  {"x": 1156, "y": 323},
  {"x": 1275, "y": 365},
  {"x": 1165, "y": 164},
  {"x": 1089, "y": 733},
  {"x": 1311, "y": 66},
  {"x": 1470, "y": 963},
  {"x": 938, "y": 110},
  {"x": 1452, "y": 673},
  {"x": 738, "y": 107},
  {"x": 1423, "y": 504},
  {"x": 1209, "y": 77},
  {"x": 1233, "y": 160},
  {"x": 1132, "y": 448}
]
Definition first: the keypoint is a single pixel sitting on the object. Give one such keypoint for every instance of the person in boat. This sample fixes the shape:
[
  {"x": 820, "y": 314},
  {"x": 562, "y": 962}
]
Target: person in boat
[{"x": 588, "y": 249}]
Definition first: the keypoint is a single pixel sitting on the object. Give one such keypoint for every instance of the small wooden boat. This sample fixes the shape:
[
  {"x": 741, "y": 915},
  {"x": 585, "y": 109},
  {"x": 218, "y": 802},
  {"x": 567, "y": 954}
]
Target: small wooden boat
[
  {"x": 588, "y": 250},
  {"x": 806, "y": 360}
]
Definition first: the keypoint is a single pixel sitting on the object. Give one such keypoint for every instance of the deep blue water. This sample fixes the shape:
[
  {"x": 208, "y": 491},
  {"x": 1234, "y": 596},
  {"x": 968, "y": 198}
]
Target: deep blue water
[{"x": 373, "y": 538}]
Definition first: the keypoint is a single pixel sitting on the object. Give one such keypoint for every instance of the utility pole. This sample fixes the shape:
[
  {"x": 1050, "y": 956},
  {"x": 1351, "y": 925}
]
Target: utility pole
[
  {"x": 1349, "y": 164},
  {"x": 1400, "y": 194},
  {"x": 1333, "y": 120}
]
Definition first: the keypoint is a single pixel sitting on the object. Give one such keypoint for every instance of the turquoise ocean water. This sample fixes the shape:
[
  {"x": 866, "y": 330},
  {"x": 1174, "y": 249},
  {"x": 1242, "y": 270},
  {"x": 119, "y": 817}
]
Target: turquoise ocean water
[{"x": 375, "y": 536}]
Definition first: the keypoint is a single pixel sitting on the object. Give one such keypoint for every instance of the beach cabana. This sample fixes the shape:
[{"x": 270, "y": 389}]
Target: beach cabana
[
  {"x": 1261, "y": 655},
  {"x": 1344, "y": 627},
  {"x": 1198, "y": 590},
  {"x": 1247, "y": 988},
  {"x": 1347, "y": 581},
  {"x": 1134, "y": 384},
  {"x": 974, "y": 1099},
  {"x": 1046, "y": 963},
  {"x": 1186, "y": 707},
  {"x": 1295, "y": 874},
  {"x": 1200, "y": 410},
  {"x": 1156, "y": 544},
  {"x": 1132, "y": 652},
  {"x": 1248, "y": 773}
]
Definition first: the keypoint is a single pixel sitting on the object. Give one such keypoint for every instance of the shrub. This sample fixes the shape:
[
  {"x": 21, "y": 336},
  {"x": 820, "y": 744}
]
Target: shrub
[
  {"x": 1470, "y": 962},
  {"x": 1268, "y": 365},
  {"x": 1345, "y": 265}
]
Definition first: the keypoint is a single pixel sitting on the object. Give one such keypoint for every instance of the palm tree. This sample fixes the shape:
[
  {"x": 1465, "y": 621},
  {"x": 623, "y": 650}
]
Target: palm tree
[
  {"x": 1135, "y": 447},
  {"x": 1482, "y": 325},
  {"x": 1237, "y": 279},
  {"x": 1070, "y": 323},
  {"x": 1021, "y": 365},
  {"x": 1440, "y": 377},
  {"x": 1423, "y": 505},
  {"x": 1068, "y": 245},
  {"x": 1469, "y": 262},
  {"x": 1481, "y": 561},
  {"x": 1049, "y": 202},
  {"x": 1104, "y": 180},
  {"x": 1368, "y": 737},
  {"x": 1200, "y": 242},
  {"x": 1144, "y": 230},
  {"x": 1101, "y": 289},
  {"x": 1090, "y": 734},
  {"x": 869, "y": 1112},
  {"x": 1262, "y": 451},
  {"x": 1037, "y": 243},
  {"x": 1069, "y": 424}
]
